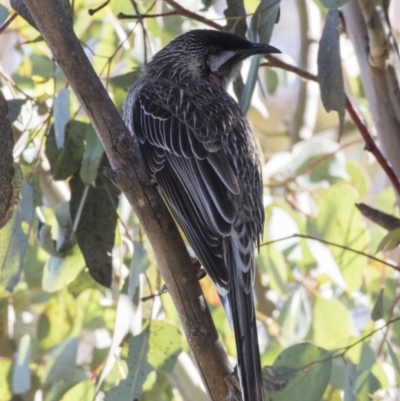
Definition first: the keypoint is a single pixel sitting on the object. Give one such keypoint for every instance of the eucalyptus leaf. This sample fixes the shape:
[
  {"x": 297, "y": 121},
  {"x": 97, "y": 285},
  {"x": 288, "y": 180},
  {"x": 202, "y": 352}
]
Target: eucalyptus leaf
[
  {"x": 60, "y": 271},
  {"x": 14, "y": 239},
  {"x": 131, "y": 387},
  {"x": 334, "y": 4},
  {"x": 21, "y": 380},
  {"x": 66, "y": 161},
  {"x": 330, "y": 76},
  {"x": 165, "y": 344},
  {"x": 14, "y": 108},
  {"x": 3, "y": 14},
  {"x": 390, "y": 241},
  {"x": 95, "y": 232},
  {"x": 91, "y": 157},
  {"x": 261, "y": 27},
  {"x": 301, "y": 369},
  {"x": 61, "y": 116},
  {"x": 377, "y": 311}
]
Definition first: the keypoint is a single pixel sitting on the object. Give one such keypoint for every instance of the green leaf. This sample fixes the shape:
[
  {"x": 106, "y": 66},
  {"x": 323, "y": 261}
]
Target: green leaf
[
  {"x": 338, "y": 221},
  {"x": 3, "y": 14},
  {"x": 377, "y": 311},
  {"x": 60, "y": 271},
  {"x": 366, "y": 385},
  {"x": 96, "y": 229},
  {"x": 327, "y": 332},
  {"x": 14, "y": 238},
  {"x": 5, "y": 385},
  {"x": 14, "y": 108},
  {"x": 304, "y": 369},
  {"x": 131, "y": 387},
  {"x": 393, "y": 356},
  {"x": 21, "y": 379},
  {"x": 165, "y": 344},
  {"x": 330, "y": 76},
  {"x": 57, "y": 320},
  {"x": 64, "y": 223},
  {"x": 67, "y": 161},
  {"x": 140, "y": 263},
  {"x": 295, "y": 317},
  {"x": 334, "y": 4},
  {"x": 126, "y": 80},
  {"x": 390, "y": 241},
  {"x": 92, "y": 157},
  {"x": 83, "y": 391},
  {"x": 61, "y": 362},
  {"x": 321, "y": 158},
  {"x": 61, "y": 116},
  {"x": 261, "y": 27}
]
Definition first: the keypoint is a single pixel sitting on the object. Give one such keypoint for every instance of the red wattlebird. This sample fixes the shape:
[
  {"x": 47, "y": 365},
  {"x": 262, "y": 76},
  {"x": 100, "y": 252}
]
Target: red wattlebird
[{"x": 198, "y": 147}]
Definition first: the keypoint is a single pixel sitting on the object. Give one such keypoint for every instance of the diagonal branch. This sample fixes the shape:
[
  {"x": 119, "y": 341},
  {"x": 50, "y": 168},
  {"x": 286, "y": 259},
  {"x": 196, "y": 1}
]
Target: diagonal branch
[
  {"x": 370, "y": 144},
  {"x": 130, "y": 176}
]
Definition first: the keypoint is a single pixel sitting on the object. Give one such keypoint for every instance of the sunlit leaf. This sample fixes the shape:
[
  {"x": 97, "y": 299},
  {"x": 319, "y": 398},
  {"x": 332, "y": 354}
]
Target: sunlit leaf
[
  {"x": 60, "y": 271},
  {"x": 57, "y": 320},
  {"x": 327, "y": 332},
  {"x": 338, "y": 221},
  {"x": 83, "y": 391},
  {"x": 165, "y": 344},
  {"x": 131, "y": 387},
  {"x": 390, "y": 241},
  {"x": 5, "y": 385}
]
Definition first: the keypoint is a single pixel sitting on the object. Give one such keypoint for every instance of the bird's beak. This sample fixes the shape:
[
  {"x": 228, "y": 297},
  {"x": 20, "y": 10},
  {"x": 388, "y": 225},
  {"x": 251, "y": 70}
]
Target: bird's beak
[{"x": 257, "y": 48}]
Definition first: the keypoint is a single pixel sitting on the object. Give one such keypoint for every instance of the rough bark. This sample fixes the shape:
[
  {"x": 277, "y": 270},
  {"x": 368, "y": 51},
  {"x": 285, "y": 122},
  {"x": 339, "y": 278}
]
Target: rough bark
[{"x": 129, "y": 175}]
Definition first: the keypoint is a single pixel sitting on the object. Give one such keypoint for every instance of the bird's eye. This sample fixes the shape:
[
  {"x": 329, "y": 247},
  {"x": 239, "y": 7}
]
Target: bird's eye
[{"x": 215, "y": 50}]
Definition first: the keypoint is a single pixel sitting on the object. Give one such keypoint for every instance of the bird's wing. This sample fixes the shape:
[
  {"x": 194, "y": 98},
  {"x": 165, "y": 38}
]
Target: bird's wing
[{"x": 181, "y": 145}]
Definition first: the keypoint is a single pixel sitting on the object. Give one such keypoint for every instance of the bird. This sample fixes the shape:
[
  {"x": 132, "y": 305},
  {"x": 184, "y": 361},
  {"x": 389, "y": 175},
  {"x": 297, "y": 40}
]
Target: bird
[{"x": 198, "y": 148}]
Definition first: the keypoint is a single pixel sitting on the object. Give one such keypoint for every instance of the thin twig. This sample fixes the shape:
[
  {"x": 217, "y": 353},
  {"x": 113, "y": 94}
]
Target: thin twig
[
  {"x": 189, "y": 14},
  {"x": 370, "y": 144},
  {"x": 346, "y": 248},
  {"x": 93, "y": 11},
  {"x": 128, "y": 16},
  {"x": 8, "y": 22}
]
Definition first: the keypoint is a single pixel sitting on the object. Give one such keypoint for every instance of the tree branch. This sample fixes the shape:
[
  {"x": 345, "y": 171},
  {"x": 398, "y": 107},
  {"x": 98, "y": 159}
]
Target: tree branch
[
  {"x": 130, "y": 175},
  {"x": 370, "y": 144},
  {"x": 381, "y": 86}
]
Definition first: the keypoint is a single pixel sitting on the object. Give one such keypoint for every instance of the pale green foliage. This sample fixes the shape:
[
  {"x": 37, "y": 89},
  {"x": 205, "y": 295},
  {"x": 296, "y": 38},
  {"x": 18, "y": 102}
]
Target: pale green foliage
[{"x": 319, "y": 305}]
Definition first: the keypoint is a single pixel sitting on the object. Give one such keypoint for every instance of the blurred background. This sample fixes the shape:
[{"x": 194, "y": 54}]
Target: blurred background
[{"x": 64, "y": 336}]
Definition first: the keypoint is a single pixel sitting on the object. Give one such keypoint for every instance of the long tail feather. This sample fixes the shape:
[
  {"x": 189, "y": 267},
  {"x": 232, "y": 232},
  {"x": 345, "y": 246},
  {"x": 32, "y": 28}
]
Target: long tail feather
[{"x": 244, "y": 324}]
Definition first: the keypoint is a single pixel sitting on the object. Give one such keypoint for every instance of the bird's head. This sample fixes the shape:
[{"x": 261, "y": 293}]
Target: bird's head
[{"x": 205, "y": 54}]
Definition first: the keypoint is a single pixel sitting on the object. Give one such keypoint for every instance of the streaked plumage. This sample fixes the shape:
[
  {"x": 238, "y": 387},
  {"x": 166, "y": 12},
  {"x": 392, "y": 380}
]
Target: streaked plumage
[{"x": 198, "y": 147}]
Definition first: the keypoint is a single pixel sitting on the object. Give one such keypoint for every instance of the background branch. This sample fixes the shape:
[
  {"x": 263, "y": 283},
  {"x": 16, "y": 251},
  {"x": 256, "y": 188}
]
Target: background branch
[{"x": 129, "y": 175}]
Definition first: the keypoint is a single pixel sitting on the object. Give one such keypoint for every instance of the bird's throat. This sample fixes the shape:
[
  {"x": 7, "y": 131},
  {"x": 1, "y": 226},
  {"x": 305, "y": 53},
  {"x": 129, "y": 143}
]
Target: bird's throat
[{"x": 215, "y": 79}]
